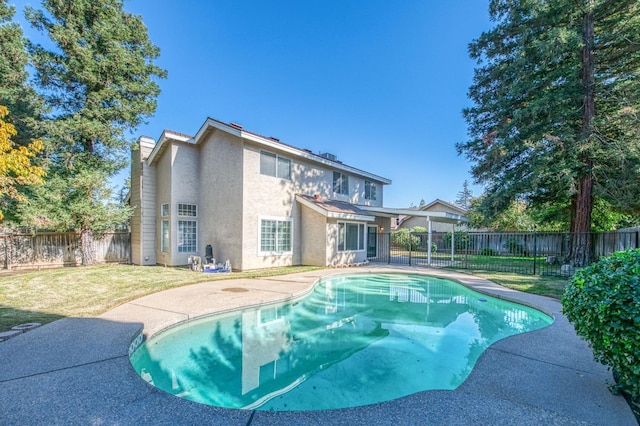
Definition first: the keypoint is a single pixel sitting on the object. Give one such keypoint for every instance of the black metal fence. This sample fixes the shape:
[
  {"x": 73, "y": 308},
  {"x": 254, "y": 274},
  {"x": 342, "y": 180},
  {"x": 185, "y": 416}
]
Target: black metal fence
[{"x": 530, "y": 253}]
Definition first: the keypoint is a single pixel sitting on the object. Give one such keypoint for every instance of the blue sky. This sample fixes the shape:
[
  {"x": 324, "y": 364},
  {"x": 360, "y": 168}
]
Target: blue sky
[{"x": 379, "y": 83}]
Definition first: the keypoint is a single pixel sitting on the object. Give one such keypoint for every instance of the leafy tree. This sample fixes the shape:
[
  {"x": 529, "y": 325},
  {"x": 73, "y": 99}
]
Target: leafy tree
[
  {"x": 516, "y": 217},
  {"x": 465, "y": 196},
  {"x": 555, "y": 114},
  {"x": 98, "y": 83},
  {"x": 16, "y": 170},
  {"x": 15, "y": 93}
]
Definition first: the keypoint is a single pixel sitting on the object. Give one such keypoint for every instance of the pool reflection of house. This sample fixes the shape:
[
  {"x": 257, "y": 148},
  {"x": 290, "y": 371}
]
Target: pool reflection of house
[{"x": 272, "y": 349}]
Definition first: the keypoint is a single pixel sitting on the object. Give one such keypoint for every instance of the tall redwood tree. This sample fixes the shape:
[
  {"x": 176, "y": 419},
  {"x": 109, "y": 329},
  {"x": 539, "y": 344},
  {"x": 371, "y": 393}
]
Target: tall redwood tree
[{"x": 556, "y": 98}]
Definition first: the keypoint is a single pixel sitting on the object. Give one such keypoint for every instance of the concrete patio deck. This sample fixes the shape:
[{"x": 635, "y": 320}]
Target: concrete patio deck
[{"x": 77, "y": 370}]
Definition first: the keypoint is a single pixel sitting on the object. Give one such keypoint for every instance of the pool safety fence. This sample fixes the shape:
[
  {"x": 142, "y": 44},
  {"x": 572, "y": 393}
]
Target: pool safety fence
[
  {"x": 527, "y": 253},
  {"x": 55, "y": 249}
]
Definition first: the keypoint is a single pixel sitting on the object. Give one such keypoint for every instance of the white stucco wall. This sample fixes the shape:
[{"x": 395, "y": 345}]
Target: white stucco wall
[
  {"x": 142, "y": 199},
  {"x": 313, "y": 230},
  {"x": 221, "y": 189}
]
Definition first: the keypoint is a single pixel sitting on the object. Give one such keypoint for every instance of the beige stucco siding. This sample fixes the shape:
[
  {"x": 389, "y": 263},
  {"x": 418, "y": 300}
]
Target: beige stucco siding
[
  {"x": 221, "y": 186},
  {"x": 142, "y": 200},
  {"x": 162, "y": 165},
  {"x": 266, "y": 197},
  {"x": 313, "y": 233},
  {"x": 185, "y": 189}
]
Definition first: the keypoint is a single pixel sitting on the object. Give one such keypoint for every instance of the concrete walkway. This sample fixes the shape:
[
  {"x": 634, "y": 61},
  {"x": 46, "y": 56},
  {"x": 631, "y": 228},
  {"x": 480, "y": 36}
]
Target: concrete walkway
[{"x": 77, "y": 370}]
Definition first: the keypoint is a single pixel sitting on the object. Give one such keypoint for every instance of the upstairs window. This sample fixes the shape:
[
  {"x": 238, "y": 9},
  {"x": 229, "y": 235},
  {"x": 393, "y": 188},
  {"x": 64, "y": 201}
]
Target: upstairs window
[
  {"x": 187, "y": 210},
  {"x": 340, "y": 183},
  {"x": 274, "y": 165},
  {"x": 164, "y": 210},
  {"x": 370, "y": 191}
]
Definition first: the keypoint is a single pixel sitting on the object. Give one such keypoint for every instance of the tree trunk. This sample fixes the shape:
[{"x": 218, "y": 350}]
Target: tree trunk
[
  {"x": 88, "y": 251},
  {"x": 583, "y": 200}
]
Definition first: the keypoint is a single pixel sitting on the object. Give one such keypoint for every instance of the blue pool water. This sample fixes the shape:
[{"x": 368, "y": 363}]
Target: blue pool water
[{"x": 354, "y": 340}]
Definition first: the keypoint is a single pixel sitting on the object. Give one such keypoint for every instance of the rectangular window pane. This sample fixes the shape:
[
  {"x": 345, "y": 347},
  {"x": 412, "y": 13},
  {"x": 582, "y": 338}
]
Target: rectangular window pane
[
  {"x": 187, "y": 231},
  {"x": 352, "y": 236},
  {"x": 284, "y": 236},
  {"x": 275, "y": 236},
  {"x": 165, "y": 236},
  {"x": 360, "y": 236},
  {"x": 187, "y": 210},
  {"x": 164, "y": 210},
  {"x": 370, "y": 191},
  {"x": 284, "y": 168},
  {"x": 340, "y": 183},
  {"x": 268, "y": 235},
  {"x": 267, "y": 163},
  {"x": 341, "y": 237},
  {"x": 274, "y": 165}
]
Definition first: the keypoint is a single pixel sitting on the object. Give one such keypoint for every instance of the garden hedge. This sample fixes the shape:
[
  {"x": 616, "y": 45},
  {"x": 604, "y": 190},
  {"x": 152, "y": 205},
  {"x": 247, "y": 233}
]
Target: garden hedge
[{"x": 602, "y": 301}]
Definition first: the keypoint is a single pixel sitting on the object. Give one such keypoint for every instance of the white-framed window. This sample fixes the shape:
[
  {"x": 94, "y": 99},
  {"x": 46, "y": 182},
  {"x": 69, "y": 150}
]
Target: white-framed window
[
  {"x": 275, "y": 235},
  {"x": 340, "y": 183},
  {"x": 164, "y": 210},
  {"x": 164, "y": 236},
  {"x": 370, "y": 190},
  {"x": 274, "y": 165},
  {"x": 350, "y": 236},
  {"x": 187, "y": 236},
  {"x": 187, "y": 210}
]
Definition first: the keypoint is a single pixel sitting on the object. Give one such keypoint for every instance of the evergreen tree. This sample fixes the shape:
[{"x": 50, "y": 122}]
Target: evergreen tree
[
  {"x": 555, "y": 116},
  {"x": 465, "y": 196},
  {"x": 98, "y": 83},
  {"x": 23, "y": 104}
]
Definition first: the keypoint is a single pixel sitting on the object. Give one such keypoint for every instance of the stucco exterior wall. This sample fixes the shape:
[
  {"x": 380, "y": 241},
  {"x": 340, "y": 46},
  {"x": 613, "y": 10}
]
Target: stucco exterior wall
[
  {"x": 313, "y": 230},
  {"x": 162, "y": 164},
  {"x": 185, "y": 189},
  {"x": 266, "y": 197},
  {"x": 142, "y": 200},
  {"x": 221, "y": 192}
]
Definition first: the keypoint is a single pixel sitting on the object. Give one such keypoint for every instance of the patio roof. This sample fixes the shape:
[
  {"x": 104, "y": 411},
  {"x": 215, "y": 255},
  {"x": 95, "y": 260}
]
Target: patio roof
[
  {"x": 335, "y": 209},
  {"x": 444, "y": 217},
  {"x": 343, "y": 210}
]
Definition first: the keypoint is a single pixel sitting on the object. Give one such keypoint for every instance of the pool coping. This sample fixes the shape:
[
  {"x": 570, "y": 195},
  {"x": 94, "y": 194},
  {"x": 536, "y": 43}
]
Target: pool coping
[{"x": 547, "y": 376}]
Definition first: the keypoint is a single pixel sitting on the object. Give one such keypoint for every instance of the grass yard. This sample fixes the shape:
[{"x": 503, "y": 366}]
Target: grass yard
[{"x": 48, "y": 295}]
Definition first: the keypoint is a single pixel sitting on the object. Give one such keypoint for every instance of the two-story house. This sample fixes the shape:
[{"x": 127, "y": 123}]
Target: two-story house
[{"x": 257, "y": 201}]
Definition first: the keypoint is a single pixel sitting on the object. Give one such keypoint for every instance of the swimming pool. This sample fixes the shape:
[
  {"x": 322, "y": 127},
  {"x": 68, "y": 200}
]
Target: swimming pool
[{"x": 354, "y": 340}]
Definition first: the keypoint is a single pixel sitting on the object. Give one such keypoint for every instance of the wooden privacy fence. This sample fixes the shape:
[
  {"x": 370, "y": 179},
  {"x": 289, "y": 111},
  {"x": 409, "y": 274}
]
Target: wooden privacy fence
[{"x": 53, "y": 249}]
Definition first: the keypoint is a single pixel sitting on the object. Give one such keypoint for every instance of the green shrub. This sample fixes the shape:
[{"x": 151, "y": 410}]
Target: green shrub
[
  {"x": 461, "y": 239},
  {"x": 516, "y": 247},
  {"x": 603, "y": 303},
  {"x": 408, "y": 240},
  {"x": 487, "y": 251}
]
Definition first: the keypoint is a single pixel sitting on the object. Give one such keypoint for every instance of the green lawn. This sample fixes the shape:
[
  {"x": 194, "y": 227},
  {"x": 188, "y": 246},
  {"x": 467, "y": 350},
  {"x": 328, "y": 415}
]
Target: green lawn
[{"x": 48, "y": 295}]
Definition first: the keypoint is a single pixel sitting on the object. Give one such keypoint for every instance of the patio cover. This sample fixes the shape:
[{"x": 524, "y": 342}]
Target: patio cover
[{"x": 335, "y": 209}]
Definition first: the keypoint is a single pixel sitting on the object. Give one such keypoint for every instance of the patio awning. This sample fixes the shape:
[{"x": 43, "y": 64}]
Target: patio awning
[
  {"x": 335, "y": 209},
  {"x": 444, "y": 217}
]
